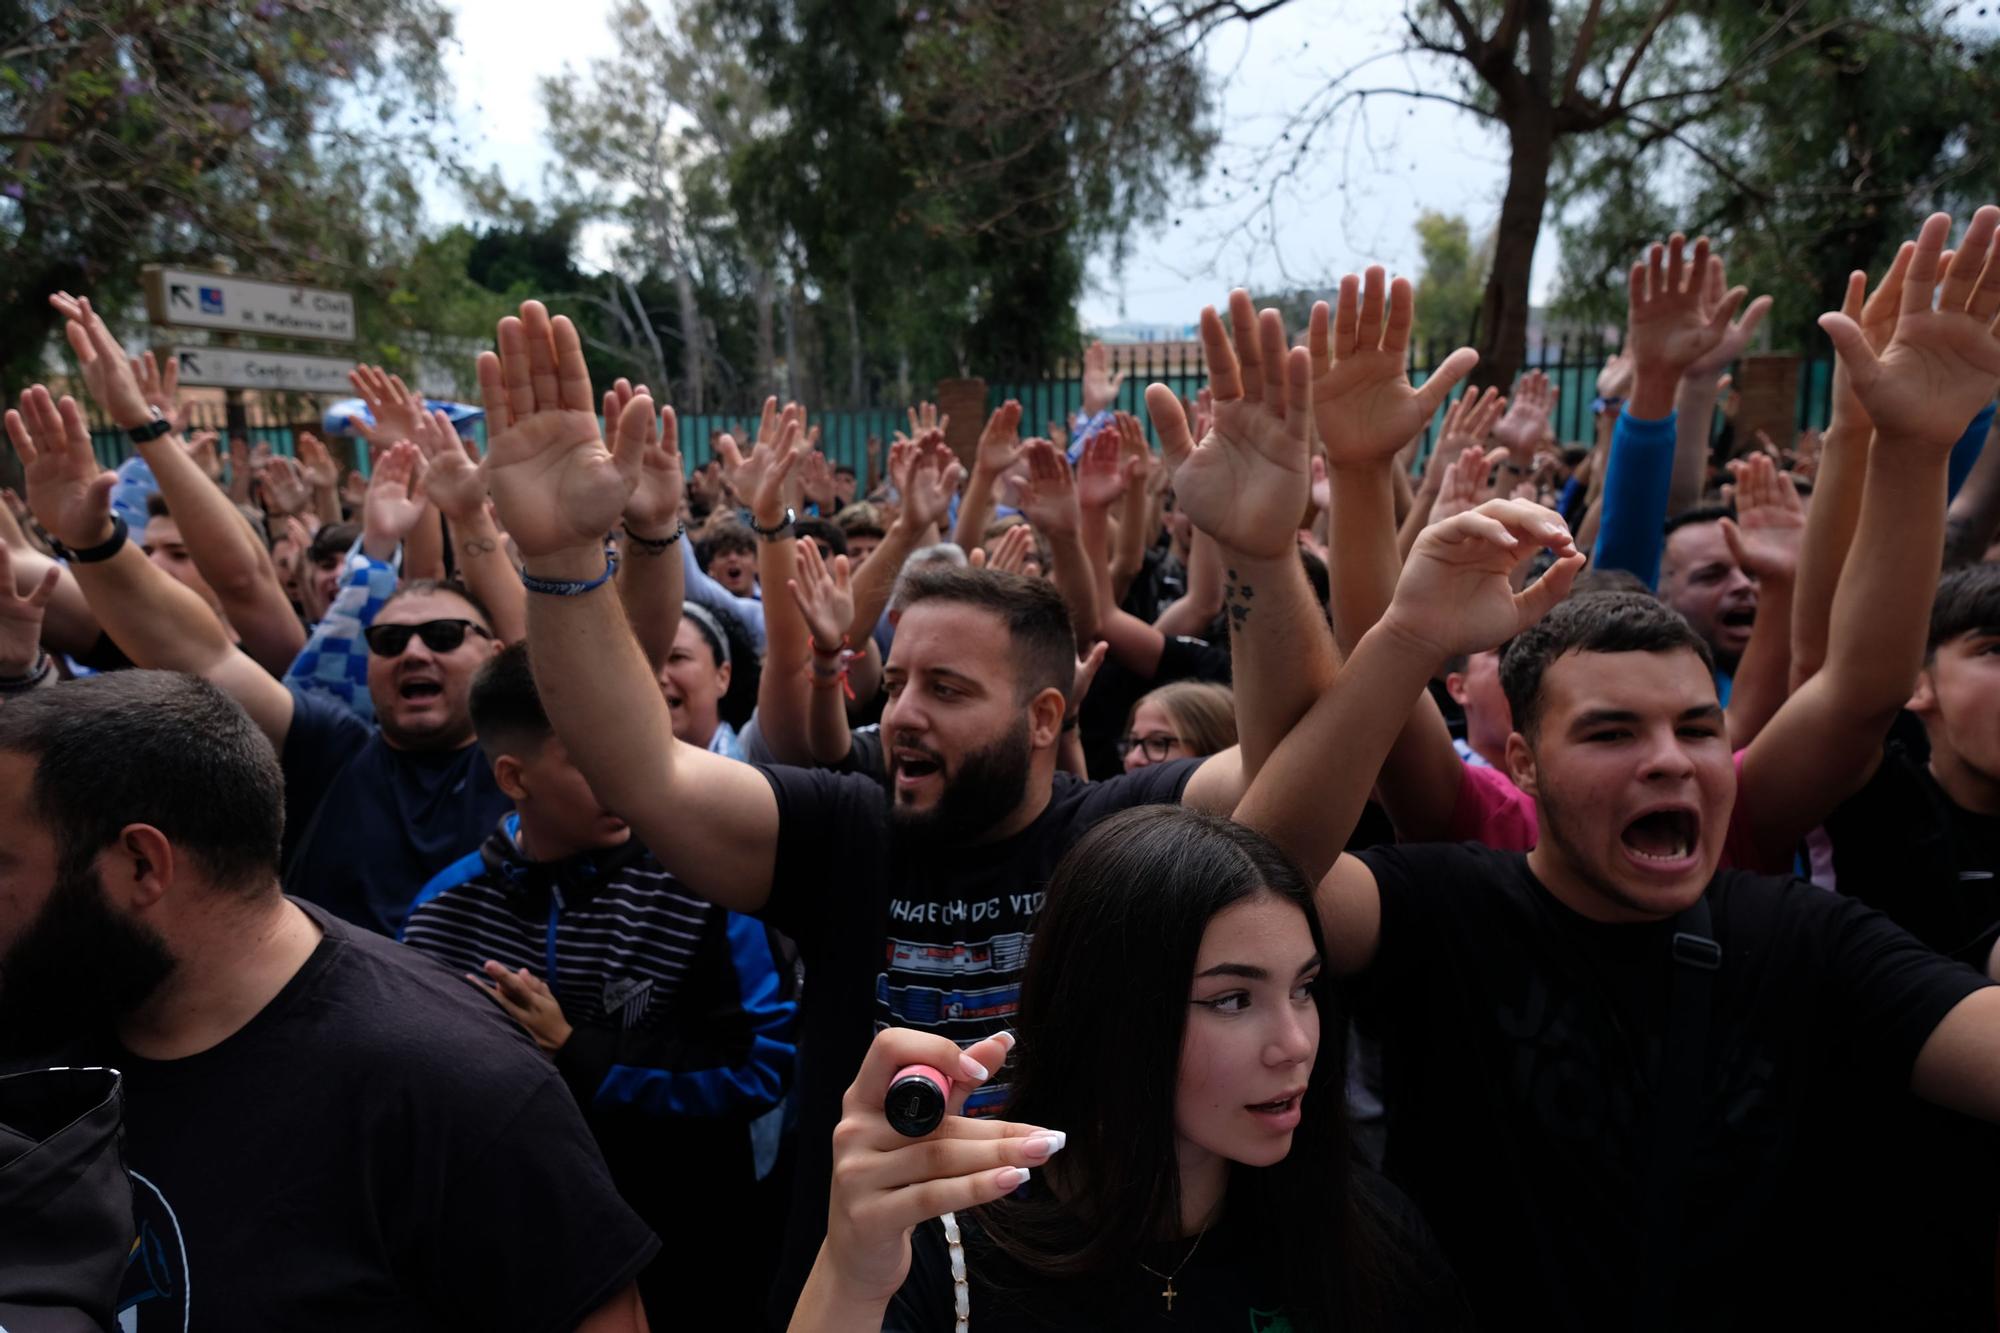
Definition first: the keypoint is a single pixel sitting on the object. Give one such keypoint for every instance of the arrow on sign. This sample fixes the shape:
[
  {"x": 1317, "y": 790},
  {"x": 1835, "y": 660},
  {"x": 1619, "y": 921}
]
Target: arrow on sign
[
  {"x": 189, "y": 366},
  {"x": 178, "y": 295}
]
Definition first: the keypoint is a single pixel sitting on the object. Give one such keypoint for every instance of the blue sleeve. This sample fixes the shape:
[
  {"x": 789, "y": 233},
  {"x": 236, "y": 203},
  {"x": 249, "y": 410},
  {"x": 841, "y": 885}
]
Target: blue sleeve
[
  {"x": 1631, "y": 531},
  {"x": 752, "y": 1085},
  {"x": 1966, "y": 452},
  {"x": 705, "y": 591},
  {"x": 334, "y": 662}
]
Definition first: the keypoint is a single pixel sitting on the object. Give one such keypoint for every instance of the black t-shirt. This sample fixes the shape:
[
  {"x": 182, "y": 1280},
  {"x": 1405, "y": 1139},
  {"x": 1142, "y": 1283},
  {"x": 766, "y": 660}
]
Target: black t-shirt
[
  {"x": 1228, "y": 1279},
  {"x": 379, "y": 1148},
  {"x": 902, "y": 935},
  {"x": 1927, "y": 863},
  {"x": 1101, "y": 721},
  {"x": 1521, "y": 1045},
  {"x": 366, "y": 826}
]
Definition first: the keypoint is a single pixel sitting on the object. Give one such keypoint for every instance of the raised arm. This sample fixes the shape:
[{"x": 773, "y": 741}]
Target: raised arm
[
  {"x": 1049, "y": 501},
  {"x": 1764, "y": 537},
  {"x": 926, "y": 475},
  {"x": 1454, "y": 596},
  {"x": 229, "y": 555},
  {"x": 1245, "y": 485},
  {"x": 1673, "y": 324},
  {"x": 149, "y": 615},
  {"x": 1941, "y": 366},
  {"x": 1843, "y": 462},
  {"x": 999, "y": 447},
  {"x": 452, "y": 480},
  {"x": 764, "y": 477},
  {"x": 1694, "y": 401},
  {"x": 712, "y": 822},
  {"x": 824, "y": 597},
  {"x": 652, "y": 541},
  {"x": 1973, "y": 522}
]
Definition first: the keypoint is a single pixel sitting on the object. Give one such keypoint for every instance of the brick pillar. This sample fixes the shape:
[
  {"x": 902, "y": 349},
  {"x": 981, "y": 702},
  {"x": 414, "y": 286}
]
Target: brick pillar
[
  {"x": 964, "y": 401},
  {"x": 1769, "y": 386}
]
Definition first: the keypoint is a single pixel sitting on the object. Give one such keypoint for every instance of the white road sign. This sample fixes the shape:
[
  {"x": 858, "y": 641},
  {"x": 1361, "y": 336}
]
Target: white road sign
[
  {"x": 237, "y": 368},
  {"x": 200, "y": 300}
]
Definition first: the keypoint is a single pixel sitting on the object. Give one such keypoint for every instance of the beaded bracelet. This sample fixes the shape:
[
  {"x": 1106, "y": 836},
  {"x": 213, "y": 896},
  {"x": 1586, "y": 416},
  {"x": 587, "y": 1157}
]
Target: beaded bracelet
[
  {"x": 572, "y": 587},
  {"x": 655, "y": 545}
]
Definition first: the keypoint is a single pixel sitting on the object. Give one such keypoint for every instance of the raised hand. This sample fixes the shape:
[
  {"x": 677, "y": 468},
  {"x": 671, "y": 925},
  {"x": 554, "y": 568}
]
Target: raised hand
[
  {"x": 654, "y": 509},
  {"x": 160, "y": 387},
  {"x": 1943, "y": 362},
  {"x": 1013, "y": 553},
  {"x": 1526, "y": 421},
  {"x": 320, "y": 469},
  {"x": 816, "y": 477},
  {"x": 825, "y": 597},
  {"x": 389, "y": 401},
  {"x": 1466, "y": 484},
  {"x": 395, "y": 497},
  {"x": 451, "y": 468},
  {"x": 1100, "y": 383},
  {"x": 1103, "y": 472},
  {"x": 1454, "y": 595},
  {"x": 760, "y": 475},
  {"x": 201, "y": 448},
  {"x": 1876, "y": 315},
  {"x": 1467, "y": 422},
  {"x": 554, "y": 483},
  {"x": 1000, "y": 443},
  {"x": 286, "y": 490},
  {"x": 1615, "y": 379},
  {"x": 924, "y": 418},
  {"x": 107, "y": 373},
  {"x": 1770, "y": 518},
  {"x": 1672, "y": 324},
  {"x": 1735, "y": 337},
  {"x": 21, "y": 617},
  {"x": 69, "y": 491},
  {"x": 1247, "y": 481},
  {"x": 1049, "y": 499},
  {"x": 885, "y": 1184},
  {"x": 1362, "y": 400},
  {"x": 928, "y": 479}
]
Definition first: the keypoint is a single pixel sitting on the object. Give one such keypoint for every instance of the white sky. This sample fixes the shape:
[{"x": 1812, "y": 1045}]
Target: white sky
[{"x": 1355, "y": 202}]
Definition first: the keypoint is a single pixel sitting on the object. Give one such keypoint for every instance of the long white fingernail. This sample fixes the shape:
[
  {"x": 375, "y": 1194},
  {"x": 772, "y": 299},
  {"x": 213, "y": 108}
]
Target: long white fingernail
[
  {"x": 1013, "y": 1177},
  {"x": 1043, "y": 1146},
  {"x": 973, "y": 1069}
]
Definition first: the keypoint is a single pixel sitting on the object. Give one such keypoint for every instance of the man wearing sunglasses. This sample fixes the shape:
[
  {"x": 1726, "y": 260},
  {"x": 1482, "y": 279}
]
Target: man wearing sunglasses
[{"x": 371, "y": 810}]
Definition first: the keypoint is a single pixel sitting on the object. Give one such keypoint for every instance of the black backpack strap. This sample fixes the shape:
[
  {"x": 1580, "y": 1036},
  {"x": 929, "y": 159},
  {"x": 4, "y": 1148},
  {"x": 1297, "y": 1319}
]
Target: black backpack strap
[{"x": 1676, "y": 1113}]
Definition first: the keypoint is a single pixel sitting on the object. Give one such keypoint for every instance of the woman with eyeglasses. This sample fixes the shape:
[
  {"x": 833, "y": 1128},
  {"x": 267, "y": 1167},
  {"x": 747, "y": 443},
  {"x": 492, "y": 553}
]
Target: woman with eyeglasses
[
  {"x": 1189, "y": 719},
  {"x": 1175, "y": 1153}
]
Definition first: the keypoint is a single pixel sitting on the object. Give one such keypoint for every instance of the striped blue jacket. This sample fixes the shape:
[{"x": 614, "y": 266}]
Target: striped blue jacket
[{"x": 678, "y": 1007}]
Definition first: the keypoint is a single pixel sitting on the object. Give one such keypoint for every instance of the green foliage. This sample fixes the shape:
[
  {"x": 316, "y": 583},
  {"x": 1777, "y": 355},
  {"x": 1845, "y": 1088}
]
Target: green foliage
[
  {"x": 278, "y": 135},
  {"x": 951, "y": 167},
  {"x": 1452, "y": 280},
  {"x": 1818, "y": 162}
]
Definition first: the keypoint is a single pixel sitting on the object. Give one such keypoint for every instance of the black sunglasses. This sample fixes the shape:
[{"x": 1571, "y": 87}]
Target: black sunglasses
[{"x": 440, "y": 636}]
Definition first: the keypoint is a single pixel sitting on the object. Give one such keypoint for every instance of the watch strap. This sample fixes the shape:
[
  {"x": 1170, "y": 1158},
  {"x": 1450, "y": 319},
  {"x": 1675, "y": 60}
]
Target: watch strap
[{"x": 104, "y": 550}]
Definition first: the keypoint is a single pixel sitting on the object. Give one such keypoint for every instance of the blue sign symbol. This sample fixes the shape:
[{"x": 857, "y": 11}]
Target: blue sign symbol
[{"x": 211, "y": 300}]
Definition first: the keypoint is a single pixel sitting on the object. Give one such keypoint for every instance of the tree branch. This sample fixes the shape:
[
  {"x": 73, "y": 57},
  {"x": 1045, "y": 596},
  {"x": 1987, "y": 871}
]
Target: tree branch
[{"x": 1586, "y": 37}]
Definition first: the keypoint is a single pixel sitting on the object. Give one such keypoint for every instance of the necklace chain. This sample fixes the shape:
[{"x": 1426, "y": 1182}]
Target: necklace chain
[{"x": 1168, "y": 1278}]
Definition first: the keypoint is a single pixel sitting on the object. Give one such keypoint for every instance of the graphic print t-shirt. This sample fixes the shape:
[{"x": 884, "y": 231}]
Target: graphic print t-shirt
[
  {"x": 379, "y": 1148},
  {"x": 908, "y": 935}
]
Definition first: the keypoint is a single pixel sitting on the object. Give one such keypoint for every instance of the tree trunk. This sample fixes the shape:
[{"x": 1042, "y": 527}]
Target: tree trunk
[
  {"x": 1503, "y": 312},
  {"x": 792, "y": 377},
  {"x": 694, "y": 379},
  {"x": 854, "y": 376},
  {"x": 763, "y": 295}
]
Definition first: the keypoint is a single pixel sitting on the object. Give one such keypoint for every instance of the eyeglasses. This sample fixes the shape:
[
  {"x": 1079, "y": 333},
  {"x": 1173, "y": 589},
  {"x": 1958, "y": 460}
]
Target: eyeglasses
[
  {"x": 1156, "y": 747},
  {"x": 440, "y": 636}
]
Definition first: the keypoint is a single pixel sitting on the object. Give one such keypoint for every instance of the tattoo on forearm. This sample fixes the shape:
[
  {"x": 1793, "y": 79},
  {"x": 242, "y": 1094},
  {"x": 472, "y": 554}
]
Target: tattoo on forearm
[
  {"x": 1237, "y": 596},
  {"x": 479, "y": 546}
]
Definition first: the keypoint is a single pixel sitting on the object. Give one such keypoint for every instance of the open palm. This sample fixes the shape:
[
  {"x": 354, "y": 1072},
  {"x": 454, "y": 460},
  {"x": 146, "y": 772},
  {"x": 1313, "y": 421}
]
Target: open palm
[
  {"x": 554, "y": 483},
  {"x": 1362, "y": 400},
  {"x": 69, "y": 491},
  {"x": 1454, "y": 595},
  {"x": 1249, "y": 479}
]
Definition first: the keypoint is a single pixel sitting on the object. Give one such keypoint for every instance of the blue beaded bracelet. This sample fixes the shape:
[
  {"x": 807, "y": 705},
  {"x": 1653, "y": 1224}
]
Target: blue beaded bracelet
[{"x": 572, "y": 587}]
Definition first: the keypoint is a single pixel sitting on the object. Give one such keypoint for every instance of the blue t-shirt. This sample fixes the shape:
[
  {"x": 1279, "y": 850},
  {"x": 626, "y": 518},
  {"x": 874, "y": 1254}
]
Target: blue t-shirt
[{"x": 366, "y": 825}]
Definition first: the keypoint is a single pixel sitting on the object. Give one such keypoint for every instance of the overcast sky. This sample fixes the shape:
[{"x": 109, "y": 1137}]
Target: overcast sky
[{"x": 1354, "y": 201}]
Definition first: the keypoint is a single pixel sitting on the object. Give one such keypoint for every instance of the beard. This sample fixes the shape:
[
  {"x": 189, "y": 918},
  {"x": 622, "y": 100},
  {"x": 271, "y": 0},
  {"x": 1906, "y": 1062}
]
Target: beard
[
  {"x": 986, "y": 788},
  {"x": 76, "y": 970}
]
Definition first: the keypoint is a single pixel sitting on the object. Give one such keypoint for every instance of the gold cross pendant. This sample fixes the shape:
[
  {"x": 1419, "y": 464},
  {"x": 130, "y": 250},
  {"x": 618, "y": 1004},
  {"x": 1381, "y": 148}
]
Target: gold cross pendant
[{"x": 1169, "y": 1294}]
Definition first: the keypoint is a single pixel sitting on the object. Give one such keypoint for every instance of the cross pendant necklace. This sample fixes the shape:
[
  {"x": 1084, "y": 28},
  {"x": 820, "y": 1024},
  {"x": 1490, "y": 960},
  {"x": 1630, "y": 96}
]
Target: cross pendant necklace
[{"x": 1168, "y": 1278}]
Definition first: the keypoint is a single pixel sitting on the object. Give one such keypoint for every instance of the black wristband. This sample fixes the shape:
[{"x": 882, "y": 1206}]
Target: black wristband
[
  {"x": 772, "y": 534},
  {"x": 152, "y": 430},
  {"x": 38, "y": 673},
  {"x": 655, "y": 545},
  {"x": 104, "y": 550}
]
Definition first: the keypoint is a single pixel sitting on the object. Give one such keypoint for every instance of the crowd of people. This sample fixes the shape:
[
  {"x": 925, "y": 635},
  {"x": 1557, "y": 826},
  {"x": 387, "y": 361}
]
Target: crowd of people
[{"x": 1338, "y": 878}]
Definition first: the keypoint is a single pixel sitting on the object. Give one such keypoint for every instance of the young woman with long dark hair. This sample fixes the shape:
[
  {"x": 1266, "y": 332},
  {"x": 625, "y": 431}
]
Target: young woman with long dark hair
[{"x": 1177, "y": 1106}]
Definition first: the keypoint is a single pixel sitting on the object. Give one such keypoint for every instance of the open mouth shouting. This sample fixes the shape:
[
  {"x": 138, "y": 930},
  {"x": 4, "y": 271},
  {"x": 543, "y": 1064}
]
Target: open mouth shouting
[
  {"x": 1665, "y": 840},
  {"x": 914, "y": 769},
  {"x": 419, "y": 689}
]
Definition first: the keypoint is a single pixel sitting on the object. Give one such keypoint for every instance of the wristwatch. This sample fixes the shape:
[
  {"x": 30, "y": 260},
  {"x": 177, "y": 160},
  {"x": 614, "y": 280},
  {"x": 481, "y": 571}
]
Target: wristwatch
[
  {"x": 104, "y": 550},
  {"x": 152, "y": 430}
]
